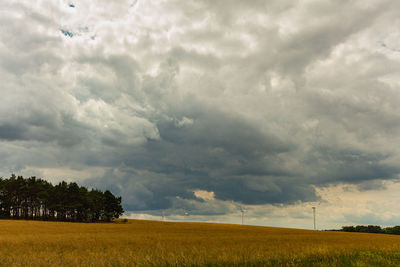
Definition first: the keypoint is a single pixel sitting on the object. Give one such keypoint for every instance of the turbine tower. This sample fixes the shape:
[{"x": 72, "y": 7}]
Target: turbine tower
[
  {"x": 242, "y": 210},
  {"x": 186, "y": 214},
  {"x": 313, "y": 208}
]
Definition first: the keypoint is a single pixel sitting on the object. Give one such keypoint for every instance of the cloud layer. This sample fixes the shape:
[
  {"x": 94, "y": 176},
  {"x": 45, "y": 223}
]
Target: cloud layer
[{"x": 250, "y": 103}]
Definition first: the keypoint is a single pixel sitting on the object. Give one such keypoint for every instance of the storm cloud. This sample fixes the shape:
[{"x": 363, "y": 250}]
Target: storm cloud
[{"x": 251, "y": 102}]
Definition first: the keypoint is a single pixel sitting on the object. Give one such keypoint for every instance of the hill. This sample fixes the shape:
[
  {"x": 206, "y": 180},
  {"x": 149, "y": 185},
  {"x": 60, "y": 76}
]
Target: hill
[{"x": 150, "y": 243}]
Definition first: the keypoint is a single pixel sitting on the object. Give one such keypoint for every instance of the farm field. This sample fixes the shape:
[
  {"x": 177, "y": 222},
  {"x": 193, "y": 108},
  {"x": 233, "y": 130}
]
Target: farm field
[{"x": 150, "y": 243}]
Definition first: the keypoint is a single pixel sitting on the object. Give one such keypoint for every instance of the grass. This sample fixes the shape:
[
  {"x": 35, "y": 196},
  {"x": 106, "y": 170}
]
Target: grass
[{"x": 149, "y": 243}]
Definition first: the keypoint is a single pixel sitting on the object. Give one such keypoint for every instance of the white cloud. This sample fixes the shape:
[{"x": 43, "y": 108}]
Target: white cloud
[{"x": 205, "y": 195}]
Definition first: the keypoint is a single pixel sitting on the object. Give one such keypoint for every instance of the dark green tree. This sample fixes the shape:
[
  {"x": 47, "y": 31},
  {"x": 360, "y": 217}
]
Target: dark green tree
[
  {"x": 34, "y": 198},
  {"x": 112, "y": 206}
]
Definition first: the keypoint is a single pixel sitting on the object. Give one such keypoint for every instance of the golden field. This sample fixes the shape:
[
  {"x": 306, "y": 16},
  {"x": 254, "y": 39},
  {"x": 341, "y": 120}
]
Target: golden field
[{"x": 150, "y": 243}]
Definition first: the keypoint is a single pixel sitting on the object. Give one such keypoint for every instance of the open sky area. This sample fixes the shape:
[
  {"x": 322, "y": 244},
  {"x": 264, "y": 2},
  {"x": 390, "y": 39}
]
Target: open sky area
[{"x": 198, "y": 109}]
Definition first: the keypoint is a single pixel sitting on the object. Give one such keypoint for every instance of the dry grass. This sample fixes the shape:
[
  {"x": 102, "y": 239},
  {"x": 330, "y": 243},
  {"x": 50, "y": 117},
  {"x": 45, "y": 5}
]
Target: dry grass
[{"x": 147, "y": 243}]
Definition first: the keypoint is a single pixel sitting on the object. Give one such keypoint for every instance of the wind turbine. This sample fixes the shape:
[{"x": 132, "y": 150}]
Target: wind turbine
[
  {"x": 163, "y": 216},
  {"x": 186, "y": 214},
  {"x": 242, "y": 210},
  {"x": 314, "y": 208}
]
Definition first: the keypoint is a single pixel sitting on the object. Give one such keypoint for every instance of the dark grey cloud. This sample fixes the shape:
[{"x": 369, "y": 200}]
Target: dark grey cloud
[
  {"x": 219, "y": 153},
  {"x": 345, "y": 165},
  {"x": 66, "y": 132}
]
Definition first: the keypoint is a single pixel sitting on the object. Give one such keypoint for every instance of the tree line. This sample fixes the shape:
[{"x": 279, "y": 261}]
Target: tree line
[
  {"x": 395, "y": 230},
  {"x": 37, "y": 199}
]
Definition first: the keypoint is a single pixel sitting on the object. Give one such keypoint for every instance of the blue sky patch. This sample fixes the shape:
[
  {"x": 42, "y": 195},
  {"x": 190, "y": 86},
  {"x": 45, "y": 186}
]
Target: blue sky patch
[{"x": 67, "y": 33}]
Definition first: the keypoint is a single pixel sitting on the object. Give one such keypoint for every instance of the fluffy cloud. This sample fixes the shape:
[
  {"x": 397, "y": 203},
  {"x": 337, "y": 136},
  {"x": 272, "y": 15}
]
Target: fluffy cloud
[{"x": 262, "y": 103}]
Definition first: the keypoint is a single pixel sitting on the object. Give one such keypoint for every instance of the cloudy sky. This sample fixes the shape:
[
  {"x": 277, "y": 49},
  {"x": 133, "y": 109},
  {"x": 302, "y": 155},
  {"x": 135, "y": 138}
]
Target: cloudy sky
[{"x": 204, "y": 107}]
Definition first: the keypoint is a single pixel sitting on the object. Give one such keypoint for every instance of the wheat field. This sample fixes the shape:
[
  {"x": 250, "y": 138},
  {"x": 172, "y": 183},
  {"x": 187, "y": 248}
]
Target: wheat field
[{"x": 150, "y": 243}]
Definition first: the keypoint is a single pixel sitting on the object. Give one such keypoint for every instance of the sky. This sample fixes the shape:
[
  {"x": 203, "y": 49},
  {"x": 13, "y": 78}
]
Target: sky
[{"x": 200, "y": 109}]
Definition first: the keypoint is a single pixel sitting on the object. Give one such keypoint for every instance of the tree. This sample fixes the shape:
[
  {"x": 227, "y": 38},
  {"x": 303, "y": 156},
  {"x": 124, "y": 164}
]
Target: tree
[
  {"x": 34, "y": 198},
  {"x": 112, "y": 206},
  {"x": 96, "y": 205}
]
